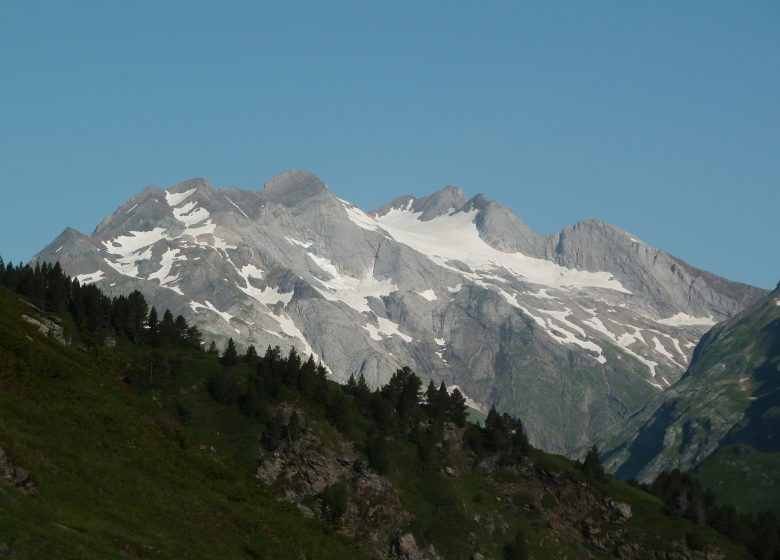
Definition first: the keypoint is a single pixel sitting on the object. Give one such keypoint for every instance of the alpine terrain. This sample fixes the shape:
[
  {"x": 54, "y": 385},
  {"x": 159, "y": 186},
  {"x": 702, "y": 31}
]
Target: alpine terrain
[
  {"x": 571, "y": 332},
  {"x": 722, "y": 416}
]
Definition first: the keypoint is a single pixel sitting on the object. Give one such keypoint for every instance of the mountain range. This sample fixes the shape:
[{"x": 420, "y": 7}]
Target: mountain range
[{"x": 571, "y": 332}]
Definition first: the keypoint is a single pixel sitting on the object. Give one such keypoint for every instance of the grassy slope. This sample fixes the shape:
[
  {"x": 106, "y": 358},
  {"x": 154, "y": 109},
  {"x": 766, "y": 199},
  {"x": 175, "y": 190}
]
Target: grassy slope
[
  {"x": 733, "y": 469},
  {"x": 120, "y": 473},
  {"x": 115, "y": 474}
]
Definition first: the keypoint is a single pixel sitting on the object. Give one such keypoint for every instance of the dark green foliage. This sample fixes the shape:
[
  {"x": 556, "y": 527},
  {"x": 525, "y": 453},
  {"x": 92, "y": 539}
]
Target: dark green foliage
[
  {"x": 592, "y": 466},
  {"x": 517, "y": 549},
  {"x": 363, "y": 392},
  {"x": 457, "y": 408},
  {"x": 272, "y": 436},
  {"x": 251, "y": 356},
  {"x": 293, "y": 427},
  {"x": 376, "y": 451},
  {"x": 94, "y": 315},
  {"x": 185, "y": 409},
  {"x": 153, "y": 322},
  {"x": 684, "y": 496},
  {"x": 334, "y": 503},
  {"x": 230, "y": 356},
  {"x": 216, "y": 431},
  {"x": 224, "y": 388},
  {"x": 254, "y": 402},
  {"x": 502, "y": 434},
  {"x": 213, "y": 348}
]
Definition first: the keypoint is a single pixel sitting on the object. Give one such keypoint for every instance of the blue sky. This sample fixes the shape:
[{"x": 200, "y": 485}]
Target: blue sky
[{"x": 660, "y": 117}]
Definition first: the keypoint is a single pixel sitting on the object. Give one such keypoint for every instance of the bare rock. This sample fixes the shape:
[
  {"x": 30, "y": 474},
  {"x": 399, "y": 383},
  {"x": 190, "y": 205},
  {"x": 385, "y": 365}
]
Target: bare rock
[
  {"x": 622, "y": 509},
  {"x": 15, "y": 475},
  {"x": 47, "y": 327}
]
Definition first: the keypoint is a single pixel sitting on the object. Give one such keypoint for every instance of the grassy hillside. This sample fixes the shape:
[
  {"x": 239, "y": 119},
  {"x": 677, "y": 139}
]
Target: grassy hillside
[
  {"x": 117, "y": 475},
  {"x": 743, "y": 476},
  {"x": 148, "y": 452}
]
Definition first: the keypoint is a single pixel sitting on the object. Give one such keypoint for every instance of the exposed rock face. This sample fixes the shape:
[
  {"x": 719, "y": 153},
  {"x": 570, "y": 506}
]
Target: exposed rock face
[
  {"x": 572, "y": 332},
  {"x": 15, "y": 475},
  {"x": 47, "y": 327},
  {"x": 729, "y": 395},
  {"x": 306, "y": 468}
]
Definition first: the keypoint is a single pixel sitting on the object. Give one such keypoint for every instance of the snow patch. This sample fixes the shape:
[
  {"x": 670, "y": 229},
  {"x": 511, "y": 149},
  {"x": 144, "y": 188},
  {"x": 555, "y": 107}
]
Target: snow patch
[
  {"x": 299, "y": 243},
  {"x": 349, "y": 290},
  {"x": 664, "y": 352},
  {"x": 194, "y": 305},
  {"x": 455, "y": 289},
  {"x": 166, "y": 264},
  {"x": 385, "y": 328},
  {"x": 557, "y": 327},
  {"x": 428, "y": 294},
  {"x": 90, "y": 278},
  {"x": 191, "y": 214},
  {"x": 625, "y": 340},
  {"x": 174, "y": 199},
  {"x": 359, "y": 218},
  {"x": 682, "y": 320},
  {"x": 125, "y": 245},
  {"x": 440, "y": 341},
  {"x": 236, "y": 205},
  {"x": 455, "y": 237}
]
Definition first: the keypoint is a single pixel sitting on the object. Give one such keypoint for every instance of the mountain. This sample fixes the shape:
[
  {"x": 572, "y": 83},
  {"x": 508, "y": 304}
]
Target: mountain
[
  {"x": 140, "y": 445},
  {"x": 729, "y": 396},
  {"x": 572, "y": 332}
]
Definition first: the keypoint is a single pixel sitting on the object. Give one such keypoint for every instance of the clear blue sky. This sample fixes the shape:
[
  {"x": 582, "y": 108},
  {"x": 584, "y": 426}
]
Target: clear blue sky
[{"x": 660, "y": 117}]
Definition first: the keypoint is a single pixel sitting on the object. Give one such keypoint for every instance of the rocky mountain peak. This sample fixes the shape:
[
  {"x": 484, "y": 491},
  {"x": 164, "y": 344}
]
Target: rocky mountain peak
[
  {"x": 444, "y": 201},
  {"x": 455, "y": 289},
  {"x": 294, "y": 186}
]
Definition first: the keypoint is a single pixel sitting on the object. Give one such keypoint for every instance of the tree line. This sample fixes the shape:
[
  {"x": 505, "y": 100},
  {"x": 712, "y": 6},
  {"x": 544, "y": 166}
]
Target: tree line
[
  {"x": 684, "y": 496},
  {"x": 84, "y": 308}
]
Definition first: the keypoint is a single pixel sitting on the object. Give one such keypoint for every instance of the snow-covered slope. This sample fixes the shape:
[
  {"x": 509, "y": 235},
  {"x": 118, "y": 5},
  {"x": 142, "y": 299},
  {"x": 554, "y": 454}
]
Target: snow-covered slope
[{"x": 571, "y": 331}]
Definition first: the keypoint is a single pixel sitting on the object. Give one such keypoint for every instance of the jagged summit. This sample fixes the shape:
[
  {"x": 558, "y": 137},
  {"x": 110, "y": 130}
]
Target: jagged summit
[
  {"x": 194, "y": 183},
  {"x": 444, "y": 201},
  {"x": 293, "y": 186},
  {"x": 460, "y": 290}
]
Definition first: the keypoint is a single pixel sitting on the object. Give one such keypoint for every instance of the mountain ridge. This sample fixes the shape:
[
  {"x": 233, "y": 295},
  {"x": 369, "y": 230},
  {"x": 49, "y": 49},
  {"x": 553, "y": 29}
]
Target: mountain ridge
[{"x": 468, "y": 295}]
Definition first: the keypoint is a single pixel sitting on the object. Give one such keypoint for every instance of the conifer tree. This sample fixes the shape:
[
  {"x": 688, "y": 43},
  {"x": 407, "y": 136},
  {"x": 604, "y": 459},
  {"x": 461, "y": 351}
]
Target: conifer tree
[
  {"x": 363, "y": 392},
  {"x": 153, "y": 321},
  {"x": 351, "y": 387},
  {"x": 457, "y": 408},
  {"x": 230, "y": 356},
  {"x": 251, "y": 356},
  {"x": 307, "y": 380},
  {"x": 591, "y": 465}
]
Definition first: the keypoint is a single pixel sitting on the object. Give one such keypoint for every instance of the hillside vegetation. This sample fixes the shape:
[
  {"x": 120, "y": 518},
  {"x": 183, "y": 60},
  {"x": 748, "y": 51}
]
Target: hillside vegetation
[{"x": 120, "y": 437}]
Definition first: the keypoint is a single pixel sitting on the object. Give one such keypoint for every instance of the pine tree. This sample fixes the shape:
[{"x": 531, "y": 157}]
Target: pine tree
[
  {"x": 363, "y": 392},
  {"x": 307, "y": 380},
  {"x": 213, "y": 348},
  {"x": 591, "y": 465},
  {"x": 153, "y": 322},
  {"x": 351, "y": 387},
  {"x": 230, "y": 356},
  {"x": 457, "y": 408},
  {"x": 251, "y": 356}
]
